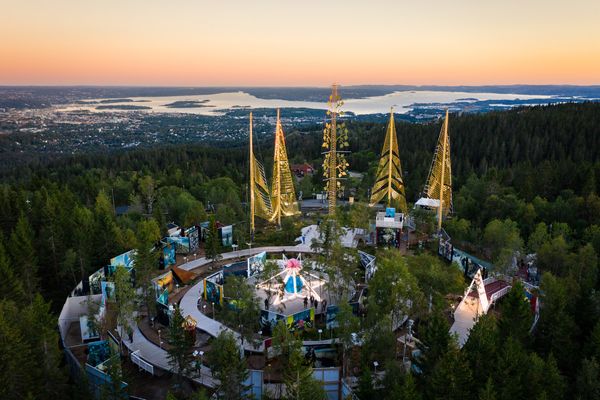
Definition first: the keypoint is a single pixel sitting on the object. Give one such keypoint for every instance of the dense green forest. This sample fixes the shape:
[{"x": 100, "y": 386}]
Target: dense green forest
[{"x": 524, "y": 180}]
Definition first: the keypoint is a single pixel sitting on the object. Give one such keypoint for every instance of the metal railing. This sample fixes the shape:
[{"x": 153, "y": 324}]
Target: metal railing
[
  {"x": 347, "y": 391},
  {"x": 489, "y": 280},
  {"x": 140, "y": 362},
  {"x": 499, "y": 294}
]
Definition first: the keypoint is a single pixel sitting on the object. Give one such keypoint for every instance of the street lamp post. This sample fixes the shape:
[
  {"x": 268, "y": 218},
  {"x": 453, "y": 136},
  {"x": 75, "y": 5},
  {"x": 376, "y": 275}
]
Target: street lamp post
[
  {"x": 201, "y": 363},
  {"x": 375, "y": 364},
  {"x": 320, "y": 331},
  {"x": 159, "y": 341},
  {"x": 204, "y": 309},
  {"x": 199, "y": 354},
  {"x": 213, "y": 309},
  {"x": 409, "y": 332},
  {"x": 198, "y": 366}
]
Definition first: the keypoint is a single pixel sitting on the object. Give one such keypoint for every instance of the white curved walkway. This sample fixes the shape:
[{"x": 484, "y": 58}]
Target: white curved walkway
[
  {"x": 189, "y": 302},
  {"x": 301, "y": 248},
  {"x": 158, "y": 357}
]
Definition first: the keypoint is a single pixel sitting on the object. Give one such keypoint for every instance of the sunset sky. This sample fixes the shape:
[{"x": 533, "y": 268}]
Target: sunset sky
[{"x": 296, "y": 43}]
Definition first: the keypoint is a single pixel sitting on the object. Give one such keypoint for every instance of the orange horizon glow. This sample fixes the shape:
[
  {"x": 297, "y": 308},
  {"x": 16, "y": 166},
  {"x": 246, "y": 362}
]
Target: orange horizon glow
[{"x": 275, "y": 43}]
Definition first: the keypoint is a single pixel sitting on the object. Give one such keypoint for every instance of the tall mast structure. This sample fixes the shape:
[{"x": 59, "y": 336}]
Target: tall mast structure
[
  {"x": 389, "y": 183},
  {"x": 439, "y": 183},
  {"x": 335, "y": 138},
  {"x": 332, "y": 192},
  {"x": 283, "y": 194}
]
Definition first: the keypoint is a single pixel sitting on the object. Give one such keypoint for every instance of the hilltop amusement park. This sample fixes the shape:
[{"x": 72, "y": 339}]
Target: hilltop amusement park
[{"x": 343, "y": 303}]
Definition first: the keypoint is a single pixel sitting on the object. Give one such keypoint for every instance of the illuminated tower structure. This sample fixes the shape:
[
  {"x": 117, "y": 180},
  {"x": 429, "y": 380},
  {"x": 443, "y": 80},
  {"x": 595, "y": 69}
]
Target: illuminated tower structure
[
  {"x": 260, "y": 199},
  {"x": 335, "y": 138},
  {"x": 283, "y": 196},
  {"x": 439, "y": 182},
  {"x": 389, "y": 184}
]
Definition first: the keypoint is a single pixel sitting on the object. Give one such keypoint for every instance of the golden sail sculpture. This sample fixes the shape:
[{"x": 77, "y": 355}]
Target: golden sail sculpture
[
  {"x": 389, "y": 184},
  {"x": 260, "y": 199},
  {"x": 335, "y": 138},
  {"x": 283, "y": 195},
  {"x": 439, "y": 183}
]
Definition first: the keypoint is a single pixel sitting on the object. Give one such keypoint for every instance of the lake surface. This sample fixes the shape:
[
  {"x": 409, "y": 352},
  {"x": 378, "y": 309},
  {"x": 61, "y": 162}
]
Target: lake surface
[{"x": 217, "y": 104}]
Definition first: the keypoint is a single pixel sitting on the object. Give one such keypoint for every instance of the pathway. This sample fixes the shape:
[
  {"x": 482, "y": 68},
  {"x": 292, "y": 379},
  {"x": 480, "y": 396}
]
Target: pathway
[
  {"x": 158, "y": 357},
  {"x": 301, "y": 248},
  {"x": 189, "y": 302}
]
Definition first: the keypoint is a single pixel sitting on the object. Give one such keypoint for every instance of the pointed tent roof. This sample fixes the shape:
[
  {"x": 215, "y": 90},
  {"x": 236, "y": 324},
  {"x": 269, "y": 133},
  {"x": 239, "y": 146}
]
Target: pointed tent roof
[
  {"x": 283, "y": 195},
  {"x": 441, "y": 169},
  {"x": 260, "y": 200},
  {"x": 389, "y": 185}
]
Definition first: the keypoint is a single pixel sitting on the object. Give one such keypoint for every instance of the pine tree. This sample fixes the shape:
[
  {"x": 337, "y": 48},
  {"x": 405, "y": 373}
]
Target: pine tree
[
  {"x": 228, "y": 366},
  {"x": 16, "y": 357},
  {"x": 348, "y": 324},
  {"x": 83, "y": 224},
  {"x": 243, "y": 310},
  {"x": 557, "y": 328},
  {"x": 435, "y": 342},
  {"x": 515, "y": 315},
  {"x": 146, "y": 261},
  {"x": 297, "y": 376},
  {"x": 124, "y": 300},
  {"x": 213, "y": 245},
  {"x": 554, "y": 382},
  {"x": 114, "y": 389},
  {"x": 299, "y": 382},
  {"x": 11, "y": 287},
  {"x": 39, "y": 323},
  {"x": 365, "y": 389},
  {"x": 105, "y": 230},
  {"x": 588, "y": 380},
  {"x": 487, "y": 392},
  {"x": 509, "y": 372},
  {"x": 482, "y": 347},
  {"x": 23, "y": 254},
  {"x": 409, "y": 390},
  {"x": 451, "y": 376},
  {"x": 180, "y": 346},
  {"x": 593, "y": 344}
]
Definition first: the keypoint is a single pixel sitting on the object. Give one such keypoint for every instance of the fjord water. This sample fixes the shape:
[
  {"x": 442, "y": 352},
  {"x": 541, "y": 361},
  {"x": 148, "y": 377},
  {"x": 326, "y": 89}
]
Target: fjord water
[{"x": 216, "y": 104}]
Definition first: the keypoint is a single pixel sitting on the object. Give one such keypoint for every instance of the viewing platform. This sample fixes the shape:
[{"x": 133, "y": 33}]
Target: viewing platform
[{"x": 479, "y": 297}]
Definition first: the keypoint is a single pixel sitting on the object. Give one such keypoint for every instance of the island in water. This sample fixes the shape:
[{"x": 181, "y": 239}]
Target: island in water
[
  {"x": 124, "y": 107},
  {"x": 189, "y": 104}
]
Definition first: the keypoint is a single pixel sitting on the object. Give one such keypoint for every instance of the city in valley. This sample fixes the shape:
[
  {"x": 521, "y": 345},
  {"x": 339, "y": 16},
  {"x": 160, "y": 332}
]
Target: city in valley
[{"x": 43, "y": 122}]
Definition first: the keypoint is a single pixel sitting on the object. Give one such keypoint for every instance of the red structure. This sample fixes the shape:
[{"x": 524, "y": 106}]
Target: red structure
[{"x": 303, "y": 169}]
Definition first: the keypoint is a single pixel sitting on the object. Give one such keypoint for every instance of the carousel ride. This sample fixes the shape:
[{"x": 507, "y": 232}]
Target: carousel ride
[{"x": 288, "y": 289}]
